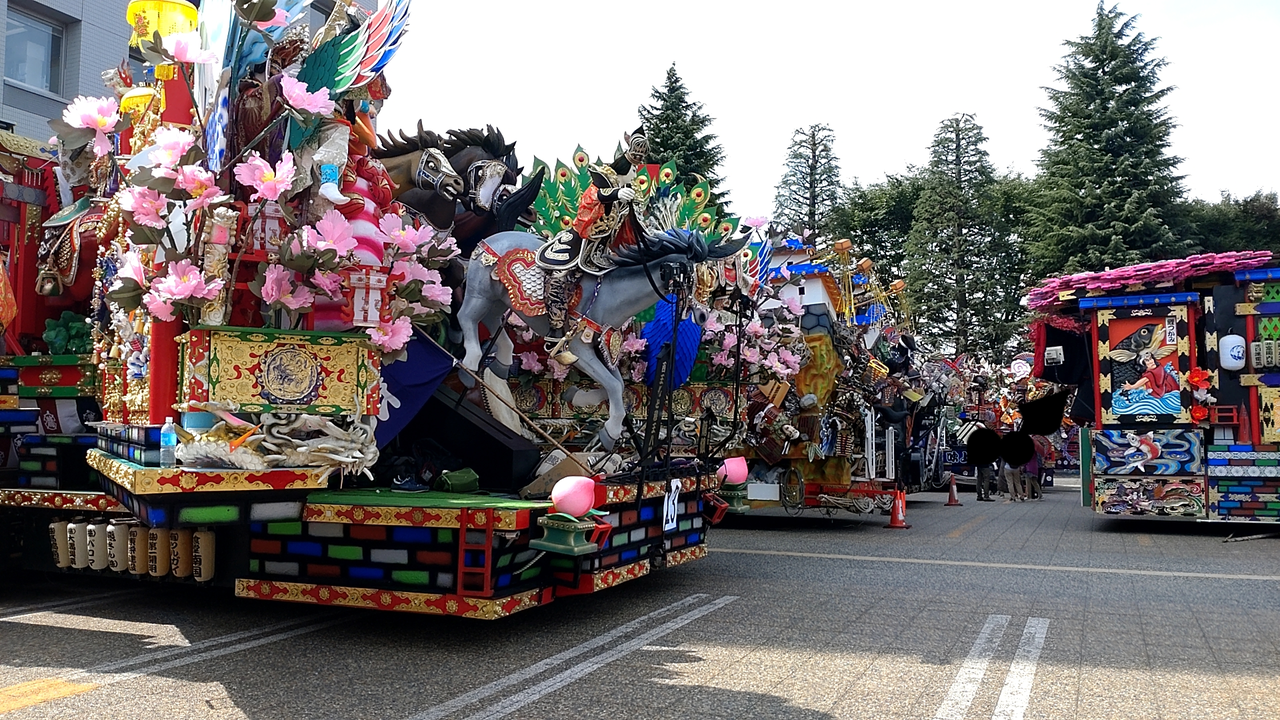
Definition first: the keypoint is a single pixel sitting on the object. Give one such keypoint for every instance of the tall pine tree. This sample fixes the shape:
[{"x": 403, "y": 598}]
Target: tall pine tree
[
  {"x": 964, "y": 262},
  {"x": 677, "y": 130},
  {"x": 810, "y": 188},
  {"x": 1108, "y": 187}
]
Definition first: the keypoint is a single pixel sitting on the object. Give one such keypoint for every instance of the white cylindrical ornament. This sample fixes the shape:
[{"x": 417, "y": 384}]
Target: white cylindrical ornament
[
  {"x": 137, "y": 550},
  {"x": 1231, "y": 352},
  {"x": 118, "y": 546},
  {"x": 202, "y": 555},
  {"x": 180, "y": 553},
  {"x": 158, "y": 552},
  {"x": 97, "y": 544},
  {"x": 78, "y": 543},
  {"x": 58, "y": 544}
]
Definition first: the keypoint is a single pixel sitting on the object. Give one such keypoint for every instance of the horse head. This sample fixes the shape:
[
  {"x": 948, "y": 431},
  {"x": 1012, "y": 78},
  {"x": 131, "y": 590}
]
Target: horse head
[
  {"x": 488, "y": 164},
  {"x": 420, "y": 163}
]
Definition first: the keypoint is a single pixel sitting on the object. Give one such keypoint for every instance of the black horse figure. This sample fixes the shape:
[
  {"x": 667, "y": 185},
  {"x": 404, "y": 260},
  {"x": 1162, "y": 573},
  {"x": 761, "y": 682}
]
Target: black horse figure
[{"x": 490, "y": 201}]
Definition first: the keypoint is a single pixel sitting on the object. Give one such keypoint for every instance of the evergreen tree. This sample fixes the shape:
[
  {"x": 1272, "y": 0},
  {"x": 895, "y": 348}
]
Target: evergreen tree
[
  {"x": 1247, "y": 223},
  {"x": 877, "y": 220},
  {"x": 810, "y": 188},
  {"x": 964, "y": 260},
  {"x": 1108, "y": 187},
  {"x": 677, "y": 130}
]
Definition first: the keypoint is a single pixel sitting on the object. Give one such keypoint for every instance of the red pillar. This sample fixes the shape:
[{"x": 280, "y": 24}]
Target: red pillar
[{"x": 163, "y": 370}]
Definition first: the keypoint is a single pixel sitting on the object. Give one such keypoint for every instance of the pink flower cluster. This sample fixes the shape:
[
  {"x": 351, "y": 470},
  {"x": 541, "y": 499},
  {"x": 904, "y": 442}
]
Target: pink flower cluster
[
  {"x": 148, "y": 207},
  {"x": 1164, "y": 271},
  {"x": 278, "y": 287},
  {"x": 184, "y": 282},
  {"x": 97, "y": 114},
  {"x": 297, "y": 95},
  {"x": 391, "y": 336},
  {"x": 268, "y": 182}
]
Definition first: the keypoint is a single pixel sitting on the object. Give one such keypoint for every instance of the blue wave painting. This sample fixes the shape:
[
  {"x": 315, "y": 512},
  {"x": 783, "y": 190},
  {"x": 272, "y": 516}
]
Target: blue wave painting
[{"x": 1140, "y": 402}]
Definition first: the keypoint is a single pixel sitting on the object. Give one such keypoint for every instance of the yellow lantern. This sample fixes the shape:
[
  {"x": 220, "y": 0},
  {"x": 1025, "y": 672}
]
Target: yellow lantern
[
  {"x": 170, "y": 17},
  {"x": 137, "y": 100}
]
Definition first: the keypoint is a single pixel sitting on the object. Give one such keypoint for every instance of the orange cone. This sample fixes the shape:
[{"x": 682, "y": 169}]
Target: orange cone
[
  {"x": 898, "y": 518},
  {"x": 954, "y": 500}
]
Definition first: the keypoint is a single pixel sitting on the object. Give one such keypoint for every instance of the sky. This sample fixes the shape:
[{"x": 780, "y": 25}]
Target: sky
[{"x": 553, "y": 75}]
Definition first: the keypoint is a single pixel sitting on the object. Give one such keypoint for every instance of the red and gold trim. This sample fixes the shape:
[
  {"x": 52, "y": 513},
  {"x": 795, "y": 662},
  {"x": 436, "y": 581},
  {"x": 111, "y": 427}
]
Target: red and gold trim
[
  {"x": 686, "y": 555},
  {"x": 151, "y": 481},
  {"x": 595, "y": 582},
  {"x": 394, "y": 600},
  {"x": 61, "y": 500},
  {"x": 408, "y": 517},
  {"x": 627, "y": 493}
]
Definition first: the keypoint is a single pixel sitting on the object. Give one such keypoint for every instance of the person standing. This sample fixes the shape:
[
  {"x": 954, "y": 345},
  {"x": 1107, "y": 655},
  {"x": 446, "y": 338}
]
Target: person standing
[
  {"x": 984, "y": 482},
  {"x": 1013, "y": 478},
  {"x": 1033, "y": 489}
]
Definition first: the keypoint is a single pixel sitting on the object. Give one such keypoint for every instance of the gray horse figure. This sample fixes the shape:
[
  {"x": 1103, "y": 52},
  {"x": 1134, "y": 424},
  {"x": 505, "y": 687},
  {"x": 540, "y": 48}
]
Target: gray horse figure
[{"x": 623, "y": 292}]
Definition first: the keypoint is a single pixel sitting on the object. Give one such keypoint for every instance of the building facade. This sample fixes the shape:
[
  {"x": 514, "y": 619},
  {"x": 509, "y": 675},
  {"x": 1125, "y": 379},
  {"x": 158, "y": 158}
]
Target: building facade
[{"x": 54, "y": 50}]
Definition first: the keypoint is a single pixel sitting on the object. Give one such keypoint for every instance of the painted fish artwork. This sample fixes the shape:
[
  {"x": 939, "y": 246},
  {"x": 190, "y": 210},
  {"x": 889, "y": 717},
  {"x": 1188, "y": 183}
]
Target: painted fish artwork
[
  {"x": 1156, "y": 452},
  {"x": 1174, "y": 497}
]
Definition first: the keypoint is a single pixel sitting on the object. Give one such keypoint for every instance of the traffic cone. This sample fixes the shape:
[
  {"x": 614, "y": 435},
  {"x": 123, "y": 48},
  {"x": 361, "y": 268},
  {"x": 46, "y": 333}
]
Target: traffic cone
[
  {"x": 898, "y": 520},
  {"x": 954, "y": 500}
]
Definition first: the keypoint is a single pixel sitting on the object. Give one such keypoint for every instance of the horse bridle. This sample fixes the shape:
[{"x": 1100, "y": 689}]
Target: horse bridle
[
  {"x": 477, "y": 172},
  {"x": 424, "y": 174}
]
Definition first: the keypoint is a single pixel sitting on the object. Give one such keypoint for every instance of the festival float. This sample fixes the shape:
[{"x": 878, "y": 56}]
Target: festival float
[
  {"x": 834, "y": 430},
  {"x": 234, "y": 358},
  {"x": 1174, "y": 368}
]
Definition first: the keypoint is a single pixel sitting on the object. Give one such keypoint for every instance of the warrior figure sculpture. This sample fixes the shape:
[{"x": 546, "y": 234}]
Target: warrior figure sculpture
[{"x": 605, "y": 223}]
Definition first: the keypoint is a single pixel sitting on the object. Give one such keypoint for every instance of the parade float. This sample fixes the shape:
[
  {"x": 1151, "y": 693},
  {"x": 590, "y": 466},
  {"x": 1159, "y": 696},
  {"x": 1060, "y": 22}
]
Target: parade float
[
  {"x": 248, "y": 381},
  {"x": 1176, "y": 396},
  {"x": 834, "y": 431}
]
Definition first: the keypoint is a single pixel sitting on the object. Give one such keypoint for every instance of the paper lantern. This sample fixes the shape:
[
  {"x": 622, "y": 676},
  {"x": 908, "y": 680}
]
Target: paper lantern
[
  {"x": 167, "y": 16},
  {"x": 158, "y": 552},
  {"x": 137, "y": 100},
  {"x": 733, "y": 471},
  {"x": 574, "y": 495},
  {"x": 78, "y": 545},
  {"x": 1231, "y": 352},
  {"x": 96, "y": 545},
  {"x": 202, "y": 555},
  {"x": 118, "y": 546},
  {"x": 58, "y": 542}
]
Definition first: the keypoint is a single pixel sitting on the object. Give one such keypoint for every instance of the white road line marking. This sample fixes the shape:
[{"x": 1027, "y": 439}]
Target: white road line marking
[
  {"x": 550, "y": 685},
  {"x": 1017, "y": 686},
  {"x": 965, "y": 687},
  {"x": 209, "y": 642},
  {"x": 209, "y": 655},
  {"x": 1002, "y": 566},
  {"x": 480, "y": 693},
  {"x": 152, "y": 634},
  {"x": 21, "y": 611}
]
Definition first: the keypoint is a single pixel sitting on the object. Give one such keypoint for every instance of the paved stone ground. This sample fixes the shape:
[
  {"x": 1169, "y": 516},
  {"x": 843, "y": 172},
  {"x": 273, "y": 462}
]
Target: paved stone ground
[{"x": 991, "y": 610}]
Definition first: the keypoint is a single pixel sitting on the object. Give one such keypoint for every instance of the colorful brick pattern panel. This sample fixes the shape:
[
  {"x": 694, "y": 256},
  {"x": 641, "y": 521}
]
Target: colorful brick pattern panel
[
  {"x": 1151, "y": 452},
  {"x": 1149, "y": 497},
  {"x": 375, "y": 556},
  {"x": 1244, "y": 482}
]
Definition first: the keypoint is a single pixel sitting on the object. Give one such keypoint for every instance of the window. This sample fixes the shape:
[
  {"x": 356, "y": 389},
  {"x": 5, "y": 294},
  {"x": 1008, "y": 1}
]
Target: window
[{"x": 33, "y": 52}]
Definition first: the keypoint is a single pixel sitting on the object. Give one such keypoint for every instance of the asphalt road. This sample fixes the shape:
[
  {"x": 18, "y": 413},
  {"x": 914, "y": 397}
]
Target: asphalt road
[{"x": 991, "y": 610}]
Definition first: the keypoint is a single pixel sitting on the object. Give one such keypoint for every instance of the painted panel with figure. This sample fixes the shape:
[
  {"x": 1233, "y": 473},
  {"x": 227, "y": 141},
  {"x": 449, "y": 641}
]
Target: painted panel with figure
[{"x": 1144, "y": 355}]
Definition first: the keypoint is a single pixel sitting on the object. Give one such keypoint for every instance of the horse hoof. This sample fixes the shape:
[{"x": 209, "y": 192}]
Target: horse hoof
[
  {"x": 566, "y": 358},
  {"x": 606, "y": 440}
]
